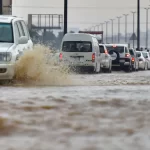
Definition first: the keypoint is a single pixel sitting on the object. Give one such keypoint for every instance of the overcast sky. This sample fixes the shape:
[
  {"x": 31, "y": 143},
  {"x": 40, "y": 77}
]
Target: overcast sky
[{"x": 84, "y": 13}]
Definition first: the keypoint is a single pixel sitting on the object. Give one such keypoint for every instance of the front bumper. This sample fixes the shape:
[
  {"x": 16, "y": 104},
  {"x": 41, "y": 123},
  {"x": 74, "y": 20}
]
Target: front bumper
[{"x": 7, "y": 71}]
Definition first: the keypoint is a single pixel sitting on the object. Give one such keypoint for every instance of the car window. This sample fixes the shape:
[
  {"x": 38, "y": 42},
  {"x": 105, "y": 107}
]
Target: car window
[
  {"x": 119, "y": 49},
  {"x": 20, "y": 28},
  {"x": 126, "y": 50},
  {"x": 131, "y": 52},
  {"x": 25, "y": 29},
  {"x": 145, "y": 55},
  {"x": 77, "y": 46},
  {"x": 101, "y": 48},
  {"x": 17, "y": 33},
  {"x": 138, "y": 54},
  {"x": 6, "y": 33}
]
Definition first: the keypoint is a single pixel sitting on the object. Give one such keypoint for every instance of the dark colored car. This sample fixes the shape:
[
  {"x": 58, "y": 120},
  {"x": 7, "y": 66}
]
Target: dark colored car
[{"x": 135, "y": 60}]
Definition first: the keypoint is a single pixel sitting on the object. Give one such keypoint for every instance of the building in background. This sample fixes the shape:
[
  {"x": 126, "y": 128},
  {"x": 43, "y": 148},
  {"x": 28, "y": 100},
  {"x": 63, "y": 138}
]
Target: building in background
[{"x": 7, "y": 7}]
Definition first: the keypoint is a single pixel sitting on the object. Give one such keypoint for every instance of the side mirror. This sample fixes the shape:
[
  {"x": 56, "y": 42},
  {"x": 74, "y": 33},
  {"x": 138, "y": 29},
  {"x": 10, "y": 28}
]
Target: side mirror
[{"x": 23, "y": 40}]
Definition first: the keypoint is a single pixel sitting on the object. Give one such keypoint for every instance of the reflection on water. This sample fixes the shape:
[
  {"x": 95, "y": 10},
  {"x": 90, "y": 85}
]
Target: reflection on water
[{"x": 74, "y": 117}]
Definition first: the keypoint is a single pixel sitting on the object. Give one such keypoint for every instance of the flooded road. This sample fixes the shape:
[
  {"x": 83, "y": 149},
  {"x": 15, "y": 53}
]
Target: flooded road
[{"x": 96, "y": 112}]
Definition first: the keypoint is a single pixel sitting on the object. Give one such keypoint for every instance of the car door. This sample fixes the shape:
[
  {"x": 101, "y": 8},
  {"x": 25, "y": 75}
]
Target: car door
[
  {"x": 22, "y": 33},
  {"x": 26, "y": 31},
  {"x": 136, "y": 59},
  {"x": 17, "y": 35},
  {"x": 102, "y": 54}
]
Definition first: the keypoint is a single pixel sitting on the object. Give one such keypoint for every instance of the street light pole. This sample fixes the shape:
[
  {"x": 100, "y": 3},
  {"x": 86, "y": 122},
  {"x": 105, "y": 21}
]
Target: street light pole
[
  {"x": 147, "y": 9},
  {"x": 133, "y": 12},
  {"x": 65, "y": 16},
  {"x": 138, "y": 24},
  {"x": 112, "y": 23},
  {"x": 126, "y": 27},
  {"x": 106, "y": 30},
  {"x": 119, "y": 29}
]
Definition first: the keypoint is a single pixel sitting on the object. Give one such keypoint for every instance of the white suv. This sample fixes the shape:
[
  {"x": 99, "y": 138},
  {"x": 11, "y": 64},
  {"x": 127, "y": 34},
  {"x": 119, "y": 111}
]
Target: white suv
[{"x": 14, "y": 40}]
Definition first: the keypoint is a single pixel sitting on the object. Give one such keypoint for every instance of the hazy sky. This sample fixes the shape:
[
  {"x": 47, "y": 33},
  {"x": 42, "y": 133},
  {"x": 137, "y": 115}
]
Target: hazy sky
[{"x": 84, "y": 13}]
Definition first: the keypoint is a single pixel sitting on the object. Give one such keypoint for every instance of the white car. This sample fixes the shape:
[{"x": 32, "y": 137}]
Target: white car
[
  {"x": 106, "y": 60},
  {"x": 80, "y": 51},
  {"x": 142, "y": 60},
  {"x": 147, "y": 57},
  {"x": 14, "y": 40}
]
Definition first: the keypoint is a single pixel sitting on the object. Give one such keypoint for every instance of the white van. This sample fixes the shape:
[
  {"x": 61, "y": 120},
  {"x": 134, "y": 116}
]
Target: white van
[{"x": 80, "y": 50}]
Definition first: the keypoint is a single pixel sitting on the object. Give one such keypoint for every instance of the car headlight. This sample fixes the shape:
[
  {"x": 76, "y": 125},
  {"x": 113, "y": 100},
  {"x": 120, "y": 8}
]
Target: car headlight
[{"x": 5, "y": 56}]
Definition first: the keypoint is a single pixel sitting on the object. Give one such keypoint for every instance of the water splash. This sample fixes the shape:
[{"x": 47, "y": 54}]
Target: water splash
[{"x": 40, "y": 67}]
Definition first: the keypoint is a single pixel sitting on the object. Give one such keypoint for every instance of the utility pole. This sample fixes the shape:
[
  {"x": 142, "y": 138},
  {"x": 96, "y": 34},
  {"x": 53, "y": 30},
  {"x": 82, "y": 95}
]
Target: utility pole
[
  {"x": 147, "y": 9},
  {"x": 119, "y": 29},
  {"x": 138, "y": 24},
  {"x": 1, "y": 7},
  {"x": 133, "y": 12},
  {"x": 106, "y": 30},
  {"x": 65, "y": 16},
  {"x": 126, "y": 27},
  {"x": 112, "y": 23}
]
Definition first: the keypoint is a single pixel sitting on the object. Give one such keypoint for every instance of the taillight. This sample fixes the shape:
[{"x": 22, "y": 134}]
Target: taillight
[
  {"x": 60, "y": 56},
  {"x": 93, "y": 57},
  {"x": 106, "y": 52},
  {"x": 133, "y": 59},
  {"x": 127, "y": 55}
]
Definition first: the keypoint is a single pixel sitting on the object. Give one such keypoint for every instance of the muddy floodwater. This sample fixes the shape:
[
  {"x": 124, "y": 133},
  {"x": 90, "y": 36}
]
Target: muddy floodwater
[{"x": 98, "y": 112}]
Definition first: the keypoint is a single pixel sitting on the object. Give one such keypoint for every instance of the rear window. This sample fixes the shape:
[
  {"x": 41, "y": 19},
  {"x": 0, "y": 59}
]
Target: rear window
[
  {"x": 102, "y": 50},
  {"x": 138, "y": 54},
  {"x": 131, "y": 52},
  {"x": 119, "y": 49},
  {"x": 77, "y": 46},
  {"x": 145, "y": 55}
]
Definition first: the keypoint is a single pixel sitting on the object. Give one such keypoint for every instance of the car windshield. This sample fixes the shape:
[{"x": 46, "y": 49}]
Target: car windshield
[
  {"x": 138, "y": 54},
  {"x": 119, "y": 49},
  {"x": 145, "y": 55},
  {"x": 77, "y": 46},
  {"x": 6, "y": 33},
  {"x": 131, "y": 52}
]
